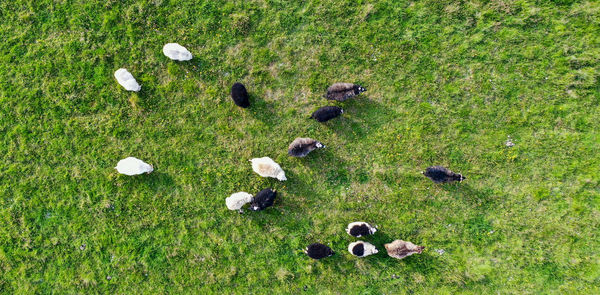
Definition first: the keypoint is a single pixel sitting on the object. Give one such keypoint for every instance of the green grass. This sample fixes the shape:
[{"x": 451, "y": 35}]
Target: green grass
[{"x": 448, "y": 82}]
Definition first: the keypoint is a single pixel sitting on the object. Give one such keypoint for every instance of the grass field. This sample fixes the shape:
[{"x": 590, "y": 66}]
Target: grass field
[{"x": 448, "y": 82}]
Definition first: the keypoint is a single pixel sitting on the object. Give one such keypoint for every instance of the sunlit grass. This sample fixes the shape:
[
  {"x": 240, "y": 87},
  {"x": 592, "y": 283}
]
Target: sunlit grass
[{"x": 448, "y": 83}]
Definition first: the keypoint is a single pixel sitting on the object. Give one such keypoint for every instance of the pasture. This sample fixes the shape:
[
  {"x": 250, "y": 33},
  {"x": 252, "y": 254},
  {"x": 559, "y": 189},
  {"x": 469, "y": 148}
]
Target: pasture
[{"x": 448, "y": 83}]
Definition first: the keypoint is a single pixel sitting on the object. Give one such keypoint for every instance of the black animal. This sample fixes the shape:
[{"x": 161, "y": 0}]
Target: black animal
[
  {"x": 263, "y": 199},
  {"x": 441, "y": 174},
  {"x": 318, "y": 251},
  {"x": 325, "y": 114},
  {"x": 240, "y": 95},
  {"x": 300, "y": 147},
  {"x": 343, "y": 91}
]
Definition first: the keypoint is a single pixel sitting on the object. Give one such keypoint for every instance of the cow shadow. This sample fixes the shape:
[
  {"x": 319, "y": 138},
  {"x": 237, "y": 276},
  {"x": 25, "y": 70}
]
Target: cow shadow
[
  {"x": 483, "y": 198},
  {"x": 362, "y": 116},
  {"x": 328, "y": 165},
  {"x": 261, "y": 110},
  {"x": 294, "y": 196}
]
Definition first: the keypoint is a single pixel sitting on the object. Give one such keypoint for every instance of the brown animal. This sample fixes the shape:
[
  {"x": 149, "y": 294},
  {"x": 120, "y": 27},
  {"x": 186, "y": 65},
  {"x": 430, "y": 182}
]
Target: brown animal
[
  {"x": 400, "y": 249},
  {"x": 343, "y": 91},
  {"x": 301, "y": 146}
]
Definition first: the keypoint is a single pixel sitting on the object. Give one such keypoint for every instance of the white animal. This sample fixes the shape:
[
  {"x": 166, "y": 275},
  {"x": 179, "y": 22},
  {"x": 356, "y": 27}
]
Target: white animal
[
  {"x": 362, "y": 249},
  {"x": 360, "y": 229},
  {"x": 175, "y": 51},
  {"x": 133, "y": 166},
  {"x": 238, "y": 200},
  {"x": 266, "y": 167},
  {"x": 126, "y": 79}
]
